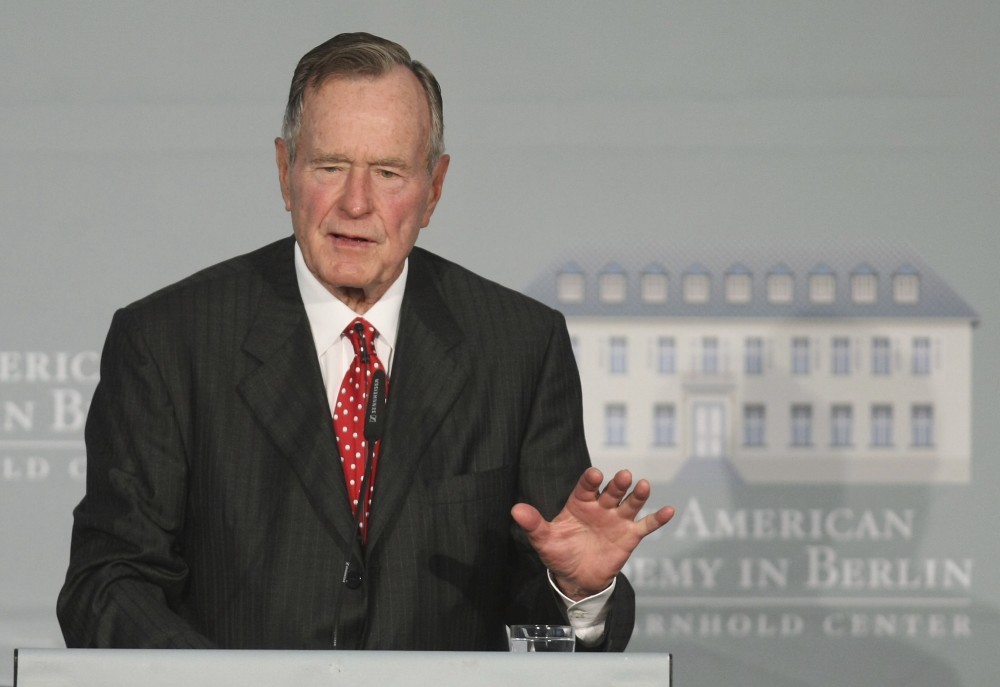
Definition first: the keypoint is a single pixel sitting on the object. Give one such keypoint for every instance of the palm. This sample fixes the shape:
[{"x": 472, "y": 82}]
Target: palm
[{"x": 586, "y": 545}]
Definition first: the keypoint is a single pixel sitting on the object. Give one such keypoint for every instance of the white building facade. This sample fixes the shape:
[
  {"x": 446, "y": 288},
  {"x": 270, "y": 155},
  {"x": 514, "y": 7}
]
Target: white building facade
[{"x": 845, "y": 367}]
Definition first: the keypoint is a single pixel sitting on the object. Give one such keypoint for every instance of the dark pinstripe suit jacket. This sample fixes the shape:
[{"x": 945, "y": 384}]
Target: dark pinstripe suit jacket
[{"x": 216, "y": 513}]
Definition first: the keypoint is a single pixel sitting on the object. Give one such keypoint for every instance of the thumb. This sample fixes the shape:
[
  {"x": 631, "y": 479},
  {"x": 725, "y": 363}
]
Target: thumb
[{"x": 527, "y": 517}]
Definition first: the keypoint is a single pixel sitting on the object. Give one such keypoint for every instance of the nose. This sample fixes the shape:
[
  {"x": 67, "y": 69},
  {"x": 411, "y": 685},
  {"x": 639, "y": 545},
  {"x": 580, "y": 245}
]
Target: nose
[{"x": 356, "y": 200}]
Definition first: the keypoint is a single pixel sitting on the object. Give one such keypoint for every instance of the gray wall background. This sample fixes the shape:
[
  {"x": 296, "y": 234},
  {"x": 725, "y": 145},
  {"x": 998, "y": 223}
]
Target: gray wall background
[{"x": 136, "y": 147}]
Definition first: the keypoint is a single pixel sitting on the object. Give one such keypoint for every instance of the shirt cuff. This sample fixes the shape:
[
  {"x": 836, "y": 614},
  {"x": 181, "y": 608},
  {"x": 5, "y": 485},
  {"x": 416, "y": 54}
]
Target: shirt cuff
[{"x": 587, "y": 616}]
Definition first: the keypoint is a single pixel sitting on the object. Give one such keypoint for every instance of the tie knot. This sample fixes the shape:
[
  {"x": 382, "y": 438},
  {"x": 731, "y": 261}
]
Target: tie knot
[{"x": 362, "y": 334}]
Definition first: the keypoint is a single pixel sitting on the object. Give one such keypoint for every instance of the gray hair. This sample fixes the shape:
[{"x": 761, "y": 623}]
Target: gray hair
[{"x": 360, "y": 55}]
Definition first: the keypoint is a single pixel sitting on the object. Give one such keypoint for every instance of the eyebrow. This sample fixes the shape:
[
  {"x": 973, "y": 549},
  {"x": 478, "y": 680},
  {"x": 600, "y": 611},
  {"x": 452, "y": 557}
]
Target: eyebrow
[
  {"x": 336, "y": 158},
  {"x": 329, "y": 158},
  {"x": 397, "y": 162}
]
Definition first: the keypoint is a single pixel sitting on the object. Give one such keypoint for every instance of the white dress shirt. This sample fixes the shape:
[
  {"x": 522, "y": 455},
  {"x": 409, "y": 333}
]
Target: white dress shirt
[{"x": 328, "y": 317}]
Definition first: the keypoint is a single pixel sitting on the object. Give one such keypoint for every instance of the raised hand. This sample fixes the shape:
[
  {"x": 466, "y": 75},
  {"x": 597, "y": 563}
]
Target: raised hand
[{"x": 586, "y": 545}]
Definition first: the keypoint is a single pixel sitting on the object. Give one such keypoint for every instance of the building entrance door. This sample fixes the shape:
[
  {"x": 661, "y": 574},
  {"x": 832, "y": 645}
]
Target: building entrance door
[{"x": 709, "y": 429}]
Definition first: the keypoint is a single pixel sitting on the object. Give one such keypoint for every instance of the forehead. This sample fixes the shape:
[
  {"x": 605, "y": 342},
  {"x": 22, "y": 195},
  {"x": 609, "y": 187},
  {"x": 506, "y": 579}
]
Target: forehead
[{"x": 392, "y": 106}]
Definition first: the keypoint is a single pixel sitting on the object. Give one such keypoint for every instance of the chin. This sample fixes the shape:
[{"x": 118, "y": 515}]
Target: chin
[{"x": 341, "y": 280}]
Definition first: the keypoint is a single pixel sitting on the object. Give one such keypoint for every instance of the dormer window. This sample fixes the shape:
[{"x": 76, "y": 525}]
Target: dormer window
[
  {"x": 822, "y": 285},
  {"x": 864, "y": 285},
  {"x": 612, "y": 285},
  {"x": 906, "y": 286},
  {"x": 697, "y": 285},
  {"x": 780, "y": 285},
  {"x": 570, "y": 285},
  {"x": 739, "y": 284},
  {"x": 653, "y": 285}
]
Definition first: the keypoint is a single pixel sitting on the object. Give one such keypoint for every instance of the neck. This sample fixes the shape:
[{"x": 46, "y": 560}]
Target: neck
[
  {"x": 357, "y": 299},
  {"x": 361, "y": 299}
]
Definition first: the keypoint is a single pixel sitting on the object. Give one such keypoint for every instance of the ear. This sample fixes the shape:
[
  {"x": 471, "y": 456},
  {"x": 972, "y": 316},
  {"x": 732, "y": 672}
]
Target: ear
[
  {"x": 281, "y": 158},
  {"x": 437, "y": 186}
]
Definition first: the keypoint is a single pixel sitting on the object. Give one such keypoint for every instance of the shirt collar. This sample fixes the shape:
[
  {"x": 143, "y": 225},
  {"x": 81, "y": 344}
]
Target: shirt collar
[{"x": 328, "y": 316}]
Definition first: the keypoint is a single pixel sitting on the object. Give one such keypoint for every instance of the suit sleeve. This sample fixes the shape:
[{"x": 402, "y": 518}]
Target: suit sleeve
[
  {"x": 553, "y": 456},
  {"x": 126, "y": 572}
]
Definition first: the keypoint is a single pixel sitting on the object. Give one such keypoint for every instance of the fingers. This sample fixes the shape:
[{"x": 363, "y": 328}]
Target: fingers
[
  {"x": 527, "y": 517},
  {"x": 588, "y": 487},
  {"x": 613, "y": 494},
  {"x": 591, "y": 479},
  {"x": 655, "y": 521},
  {"x": 616, "y": 495},
  {"x": 634, "y": 502}
]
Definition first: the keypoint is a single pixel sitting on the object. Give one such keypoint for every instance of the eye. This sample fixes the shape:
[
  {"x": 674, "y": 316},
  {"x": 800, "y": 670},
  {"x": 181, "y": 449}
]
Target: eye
[{"x": 387, "y": 174}]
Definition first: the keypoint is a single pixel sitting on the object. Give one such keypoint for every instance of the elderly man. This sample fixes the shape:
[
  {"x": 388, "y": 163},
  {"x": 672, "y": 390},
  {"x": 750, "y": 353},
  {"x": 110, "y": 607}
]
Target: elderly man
[{"x": 248, "y": 484}]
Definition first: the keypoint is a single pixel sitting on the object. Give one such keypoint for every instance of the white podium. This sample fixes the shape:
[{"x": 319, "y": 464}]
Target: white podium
[{"x": 200, "y": 668}]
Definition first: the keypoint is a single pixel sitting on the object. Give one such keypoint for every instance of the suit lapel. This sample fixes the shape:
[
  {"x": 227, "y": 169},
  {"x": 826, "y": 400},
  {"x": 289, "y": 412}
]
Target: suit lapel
[
  {"x": 286, "y": 393},
  {"x": 429, "y": 370}
]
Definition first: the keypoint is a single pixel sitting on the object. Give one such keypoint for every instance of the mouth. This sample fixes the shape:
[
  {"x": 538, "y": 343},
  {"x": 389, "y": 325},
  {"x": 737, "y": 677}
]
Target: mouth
[{"x": 351, "y": 240}]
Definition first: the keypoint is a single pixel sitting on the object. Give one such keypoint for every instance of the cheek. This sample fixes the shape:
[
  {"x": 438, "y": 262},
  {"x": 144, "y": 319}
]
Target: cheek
[
  {"x": 311, "y": 206},
  {"x": 406, "y": 214}
]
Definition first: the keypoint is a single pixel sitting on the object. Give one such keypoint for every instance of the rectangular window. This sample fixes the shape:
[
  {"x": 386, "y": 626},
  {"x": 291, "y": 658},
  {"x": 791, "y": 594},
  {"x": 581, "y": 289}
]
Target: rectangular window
[
  {"x": 738, "y": 288},
  {"x": 653, "y": 287},
  {"x": 780, "y": 288},
  {"x": 612, "y": 287},
  {"x": 800, "y": 355},
  {"x": 841, "y": 362},
  {"x": 906, "y": 288},
  {"x": 710, "y": 355},
  {"x": 921, "y": 356},
  {"x": 697, "y": 288},
  {"x": 664, "y": 425},
  {"x": 754, "y": 424},
  {"x": 881, "y": 356},
  {"x": 618, "y": 360},
  {"x": 614, "y": 424},
  {"x": 570, "y": 287},
  {"x": 864, "y": 288},
  {"x": 841, "y": 425},
  {"x": 801, "y": 425},
  {"x": 822, "y": 288},
  {"x": 922, "y": 425},
  {"x": 881, "y": 425},
  {"x": 666, "y": 355},
  {"x": 753, "y": 355}
]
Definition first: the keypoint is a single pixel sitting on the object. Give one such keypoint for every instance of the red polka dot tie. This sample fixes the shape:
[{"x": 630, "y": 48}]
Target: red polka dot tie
[{"x": 349, "y": 417}]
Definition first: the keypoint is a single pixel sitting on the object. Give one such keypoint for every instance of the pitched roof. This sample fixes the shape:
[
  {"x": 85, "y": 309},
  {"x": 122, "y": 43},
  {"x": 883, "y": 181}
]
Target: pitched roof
[{"x": 674, "y": 262}]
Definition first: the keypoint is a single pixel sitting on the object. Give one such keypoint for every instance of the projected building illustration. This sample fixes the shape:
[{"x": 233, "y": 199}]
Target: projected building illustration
[{"x": 786, "y": 364}]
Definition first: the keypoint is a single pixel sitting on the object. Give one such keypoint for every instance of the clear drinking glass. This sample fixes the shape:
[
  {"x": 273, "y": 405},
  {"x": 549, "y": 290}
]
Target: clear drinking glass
[{"x": 529, "y": 638}]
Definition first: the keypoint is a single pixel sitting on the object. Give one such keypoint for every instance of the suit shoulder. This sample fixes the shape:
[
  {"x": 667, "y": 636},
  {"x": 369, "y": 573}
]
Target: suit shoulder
[
  {"x": 243, "y": 274},
  {"x": 457, "y": 283}
]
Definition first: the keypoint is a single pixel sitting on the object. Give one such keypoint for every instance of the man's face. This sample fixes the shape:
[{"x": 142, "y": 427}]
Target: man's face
[{"x": 359, "y": 190}]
